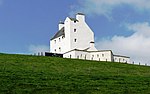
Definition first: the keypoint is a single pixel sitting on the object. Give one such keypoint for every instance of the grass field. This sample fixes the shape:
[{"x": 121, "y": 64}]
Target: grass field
[{"x": 20, "y": 74}]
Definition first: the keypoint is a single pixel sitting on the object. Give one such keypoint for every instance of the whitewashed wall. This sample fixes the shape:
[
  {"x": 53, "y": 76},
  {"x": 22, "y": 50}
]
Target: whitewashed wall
[
  {"x": 83, "y": 35},
  {"x": 56, "y": 45},
  {"x": 78, "y": 31},
  {"x": 97, "y": 56},
  {"x": 121, "y": 59},
  {"x": 101, "y": 56},
  {"x": 70, "y": 54}
]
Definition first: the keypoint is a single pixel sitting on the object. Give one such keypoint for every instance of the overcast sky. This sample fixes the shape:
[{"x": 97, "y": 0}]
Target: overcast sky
[{"x": 122, "y": 26}]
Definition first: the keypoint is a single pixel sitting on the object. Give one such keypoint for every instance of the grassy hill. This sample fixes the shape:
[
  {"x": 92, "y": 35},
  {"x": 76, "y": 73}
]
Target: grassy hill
[{"x": 20, "y": 74}]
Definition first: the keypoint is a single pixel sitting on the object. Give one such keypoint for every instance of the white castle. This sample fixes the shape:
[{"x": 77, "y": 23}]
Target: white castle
[{"x": 75, "y": 39}]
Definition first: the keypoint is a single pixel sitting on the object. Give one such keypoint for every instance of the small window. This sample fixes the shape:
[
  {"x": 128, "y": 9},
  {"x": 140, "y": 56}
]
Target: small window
[
  {"x": 75, "y": 30},
  {"x": 92, "y": 55},
  {"x": 55, "y": 41},
  {"x": 102, "y": 55},
  {"x": 55, "y": 50},
  {"x": 75, "y": 40},
  {"x": 75, "y": 21},
  {"x": 63, "y": 37},
  {"x": 97, "y": 55},
  {"x": 70, "y": 56},
  {"x": 59, "y": 39},
  {"x": 59, "y": 49}
]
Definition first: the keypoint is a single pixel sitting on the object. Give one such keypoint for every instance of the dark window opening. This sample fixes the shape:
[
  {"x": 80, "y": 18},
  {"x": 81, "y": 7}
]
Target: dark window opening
[
  {"x": 75, "y": 30},
  {"x": 59, "y": 49},
  {"x": 75, "y": 40},
  {"x": 85, "y": 57},
  {"x": 97, "y": 55},
  {"x": 102, "y": 55},
  {"x": 70, "y": 56}
]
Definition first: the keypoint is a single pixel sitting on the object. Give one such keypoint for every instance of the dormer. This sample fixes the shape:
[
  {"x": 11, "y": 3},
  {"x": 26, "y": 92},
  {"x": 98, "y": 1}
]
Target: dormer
[{"x": 80, "y": 16}]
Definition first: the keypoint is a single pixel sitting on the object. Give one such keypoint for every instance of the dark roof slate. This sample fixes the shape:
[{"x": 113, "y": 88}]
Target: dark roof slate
[
  {"x": 73, "y": 19},
  {"x": 59, "y": 33},
  {"x": 80, "y": 14}
]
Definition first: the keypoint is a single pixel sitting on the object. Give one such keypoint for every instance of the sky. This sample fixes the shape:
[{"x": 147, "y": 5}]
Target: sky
[{"x": 122, "y": 26}]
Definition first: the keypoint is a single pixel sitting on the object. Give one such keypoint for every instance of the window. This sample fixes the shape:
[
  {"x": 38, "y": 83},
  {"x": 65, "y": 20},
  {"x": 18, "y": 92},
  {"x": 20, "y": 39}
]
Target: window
[
  {"x": 119, "y": 59},
  {"x": 102, "y": 55},
  {"x": 75, "y": 40},
  {"x": 55, "y": 41},
  {"x": 59, "y": 49},
  {"x": 75, "y": 21},
  {"x": 59, "y": 39},
  {"x": 70, "y": 56},
  {"x": 63, "y": 37},
  {"x": 97, "y": 55},
  {"x": 55, "y": 50},
  {"x": 81, "y": 56},
  {"x": 75, "y": 30}
]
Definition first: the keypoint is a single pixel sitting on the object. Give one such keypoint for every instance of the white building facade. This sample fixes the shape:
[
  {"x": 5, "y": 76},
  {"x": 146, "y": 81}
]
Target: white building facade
[{"x": 75, "y": 39}]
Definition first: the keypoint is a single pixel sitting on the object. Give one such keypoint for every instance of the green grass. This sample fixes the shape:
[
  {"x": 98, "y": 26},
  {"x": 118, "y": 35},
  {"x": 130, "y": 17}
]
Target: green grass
[{"x": 20, "y": 74}]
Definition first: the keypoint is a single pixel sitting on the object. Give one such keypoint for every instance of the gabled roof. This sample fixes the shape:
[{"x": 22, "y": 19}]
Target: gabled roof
[{"x": 59, "y": 33}]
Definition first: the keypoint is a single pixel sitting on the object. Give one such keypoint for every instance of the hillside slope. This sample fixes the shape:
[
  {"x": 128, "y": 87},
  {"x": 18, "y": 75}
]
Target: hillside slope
[{"x": 20, "y": 74}]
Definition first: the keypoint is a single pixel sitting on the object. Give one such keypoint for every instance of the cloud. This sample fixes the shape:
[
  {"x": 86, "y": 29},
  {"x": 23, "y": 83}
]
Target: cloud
[
  {"x": 38, "y": 48},
  {"x": 105, "y": 7},
  {"x": 136, "y": 46}
]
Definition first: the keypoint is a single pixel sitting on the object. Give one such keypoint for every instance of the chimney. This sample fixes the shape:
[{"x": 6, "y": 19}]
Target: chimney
[
  {"x": 61, "y": 25},
  {"x": 80, "y": 16},
  {"x": 92, "y": 44}
]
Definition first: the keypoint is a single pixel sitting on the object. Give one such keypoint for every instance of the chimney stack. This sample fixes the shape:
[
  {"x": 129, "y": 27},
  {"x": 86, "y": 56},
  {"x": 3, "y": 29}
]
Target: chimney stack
[{"x": 80, "y": 16}]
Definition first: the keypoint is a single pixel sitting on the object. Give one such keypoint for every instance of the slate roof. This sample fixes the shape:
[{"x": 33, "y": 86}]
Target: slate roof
[
  {"x": 59, "y": 33},
  {"x": 80, "y": 14},
  {"x": 73, "y": 19}
]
